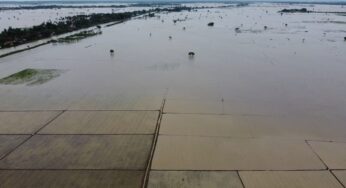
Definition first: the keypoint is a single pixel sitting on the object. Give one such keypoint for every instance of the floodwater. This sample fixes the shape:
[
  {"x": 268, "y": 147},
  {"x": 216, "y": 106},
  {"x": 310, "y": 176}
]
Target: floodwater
[
  {"x": 293, "y": 70},
  {"x": 27, "y": 18},
  {"x": 254, "y": 107}
]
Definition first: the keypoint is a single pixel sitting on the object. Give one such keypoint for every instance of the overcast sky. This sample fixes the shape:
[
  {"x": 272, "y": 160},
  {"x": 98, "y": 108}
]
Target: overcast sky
[
  {"x": 167, "y": 0},
  {"x": 109, "y": 0}
]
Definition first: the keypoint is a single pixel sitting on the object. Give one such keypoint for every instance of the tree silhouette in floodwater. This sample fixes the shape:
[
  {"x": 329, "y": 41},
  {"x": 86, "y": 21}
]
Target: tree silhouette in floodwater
[
  {"x": 191, "y": 54},
  {"x": 211, "y": 24}
]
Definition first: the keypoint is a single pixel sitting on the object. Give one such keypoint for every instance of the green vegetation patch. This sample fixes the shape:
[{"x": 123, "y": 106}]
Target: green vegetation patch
[
  {"x": 79, "y": 36},
  {"x": 31, "y": 77}
]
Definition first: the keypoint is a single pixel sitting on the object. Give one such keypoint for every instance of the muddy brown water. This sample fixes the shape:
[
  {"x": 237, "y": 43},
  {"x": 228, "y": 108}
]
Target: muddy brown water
[{"x": 293, "y": 70}]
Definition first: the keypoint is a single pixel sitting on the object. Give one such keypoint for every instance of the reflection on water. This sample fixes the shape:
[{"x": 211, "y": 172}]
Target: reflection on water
[
  {"x": 164, "y": 67},
  {"x": 269, "y": 72}
]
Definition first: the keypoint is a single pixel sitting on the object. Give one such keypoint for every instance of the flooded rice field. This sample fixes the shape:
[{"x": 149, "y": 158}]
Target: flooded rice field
[
  {"x": 293, "y": 67},
  {"x": 258, "y": 96}
]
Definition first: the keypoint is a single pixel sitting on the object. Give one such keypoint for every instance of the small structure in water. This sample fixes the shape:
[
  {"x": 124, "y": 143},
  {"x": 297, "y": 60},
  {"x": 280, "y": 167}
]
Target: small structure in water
[
  {"x": 210, "y": 24},
  {"x": 344, "y": 38},
  {"x": 111, "y": 51},
  {"x": 191, "y": 54}
]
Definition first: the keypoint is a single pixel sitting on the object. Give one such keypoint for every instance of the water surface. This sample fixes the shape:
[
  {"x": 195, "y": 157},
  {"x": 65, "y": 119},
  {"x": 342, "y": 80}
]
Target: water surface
[{"x": 293, "y": 70}]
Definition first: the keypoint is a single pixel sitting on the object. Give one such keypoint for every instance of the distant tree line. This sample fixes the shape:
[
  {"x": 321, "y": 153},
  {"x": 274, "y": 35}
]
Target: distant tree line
[
  {"x": 302, "y": 10},
  {"x": 16, "y": 36}
]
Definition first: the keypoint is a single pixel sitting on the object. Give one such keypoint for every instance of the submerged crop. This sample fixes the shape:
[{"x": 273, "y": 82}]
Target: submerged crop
[{"x": 31, "y": 77}]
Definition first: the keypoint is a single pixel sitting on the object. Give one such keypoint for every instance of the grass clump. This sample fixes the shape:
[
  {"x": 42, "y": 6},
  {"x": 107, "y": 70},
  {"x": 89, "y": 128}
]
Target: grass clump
[{"x": 31, "y": 77}]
